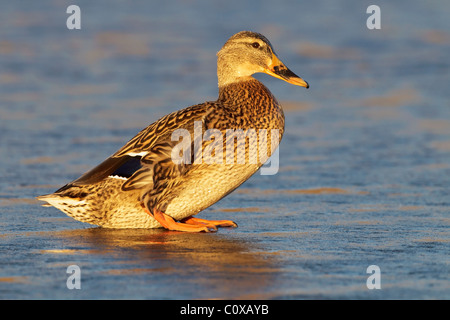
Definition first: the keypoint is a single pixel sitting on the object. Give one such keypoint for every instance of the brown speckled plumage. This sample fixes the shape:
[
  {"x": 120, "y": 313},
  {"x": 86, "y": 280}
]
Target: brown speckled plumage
[{"x": 153, "y": 181}]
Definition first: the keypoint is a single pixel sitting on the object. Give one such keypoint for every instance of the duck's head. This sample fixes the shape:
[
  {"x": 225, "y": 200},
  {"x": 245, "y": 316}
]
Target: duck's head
[{"x": 246, "y": 53}]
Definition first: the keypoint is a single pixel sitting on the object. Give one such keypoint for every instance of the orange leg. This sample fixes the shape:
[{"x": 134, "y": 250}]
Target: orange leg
[
  {"x": 170, "y": 224},
  {"x": 218, "y": 223}
]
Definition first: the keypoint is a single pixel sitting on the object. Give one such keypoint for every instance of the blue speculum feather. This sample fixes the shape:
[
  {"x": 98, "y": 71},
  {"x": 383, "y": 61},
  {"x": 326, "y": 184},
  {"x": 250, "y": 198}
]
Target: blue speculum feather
[{"x": 128, "y": 168}]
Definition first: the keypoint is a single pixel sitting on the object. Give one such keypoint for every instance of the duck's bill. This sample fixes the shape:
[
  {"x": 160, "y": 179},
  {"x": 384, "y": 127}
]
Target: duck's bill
[{"x": 278, "y": 70}]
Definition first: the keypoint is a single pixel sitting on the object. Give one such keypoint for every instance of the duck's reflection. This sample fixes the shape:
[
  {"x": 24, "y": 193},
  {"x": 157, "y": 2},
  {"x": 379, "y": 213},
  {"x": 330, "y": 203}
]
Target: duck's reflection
[{"x": 200, "y": 266}]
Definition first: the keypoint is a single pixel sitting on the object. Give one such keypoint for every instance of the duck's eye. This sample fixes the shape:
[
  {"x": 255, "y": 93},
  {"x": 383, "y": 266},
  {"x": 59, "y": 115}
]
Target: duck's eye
[{"x": 255, "y": 45}]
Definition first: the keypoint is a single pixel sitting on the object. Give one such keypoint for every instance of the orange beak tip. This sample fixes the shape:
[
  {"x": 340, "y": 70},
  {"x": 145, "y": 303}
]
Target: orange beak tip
[
  {"x": 298, "y": 82},
  {"x": 278, "y": 70}
]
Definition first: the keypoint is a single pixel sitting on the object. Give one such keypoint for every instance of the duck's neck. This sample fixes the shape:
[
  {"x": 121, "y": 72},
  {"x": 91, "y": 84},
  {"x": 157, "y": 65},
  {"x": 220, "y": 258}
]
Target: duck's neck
[
  {"x": 249, "y": 91},
  {"x": 253, "y": 102}
]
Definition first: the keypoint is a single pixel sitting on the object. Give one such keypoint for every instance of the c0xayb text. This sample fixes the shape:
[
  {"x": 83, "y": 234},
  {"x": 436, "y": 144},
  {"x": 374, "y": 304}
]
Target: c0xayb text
[{"x": 235, "y": 309}]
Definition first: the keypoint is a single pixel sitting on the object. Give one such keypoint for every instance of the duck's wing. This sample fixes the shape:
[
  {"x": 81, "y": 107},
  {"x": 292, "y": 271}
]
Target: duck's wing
[
  {"x": 136, "y": 159},
  {"x": 162, "y": 129}
]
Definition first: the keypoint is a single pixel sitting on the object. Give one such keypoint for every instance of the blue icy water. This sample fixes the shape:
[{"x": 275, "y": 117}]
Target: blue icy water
[{"x": 364, "y": 173}]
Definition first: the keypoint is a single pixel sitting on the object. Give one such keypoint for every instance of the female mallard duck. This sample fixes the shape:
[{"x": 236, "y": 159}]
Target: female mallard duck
[{"x": 142, "y": 186}]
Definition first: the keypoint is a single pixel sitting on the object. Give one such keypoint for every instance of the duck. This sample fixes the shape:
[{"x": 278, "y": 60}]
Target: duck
[{"x": 158, "y": 180}]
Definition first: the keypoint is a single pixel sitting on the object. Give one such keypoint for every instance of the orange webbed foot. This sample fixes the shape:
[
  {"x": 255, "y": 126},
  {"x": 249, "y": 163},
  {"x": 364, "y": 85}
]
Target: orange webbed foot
[
  {"x": 218, "y": 223},
  {"x": 170, "y": 224}
]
